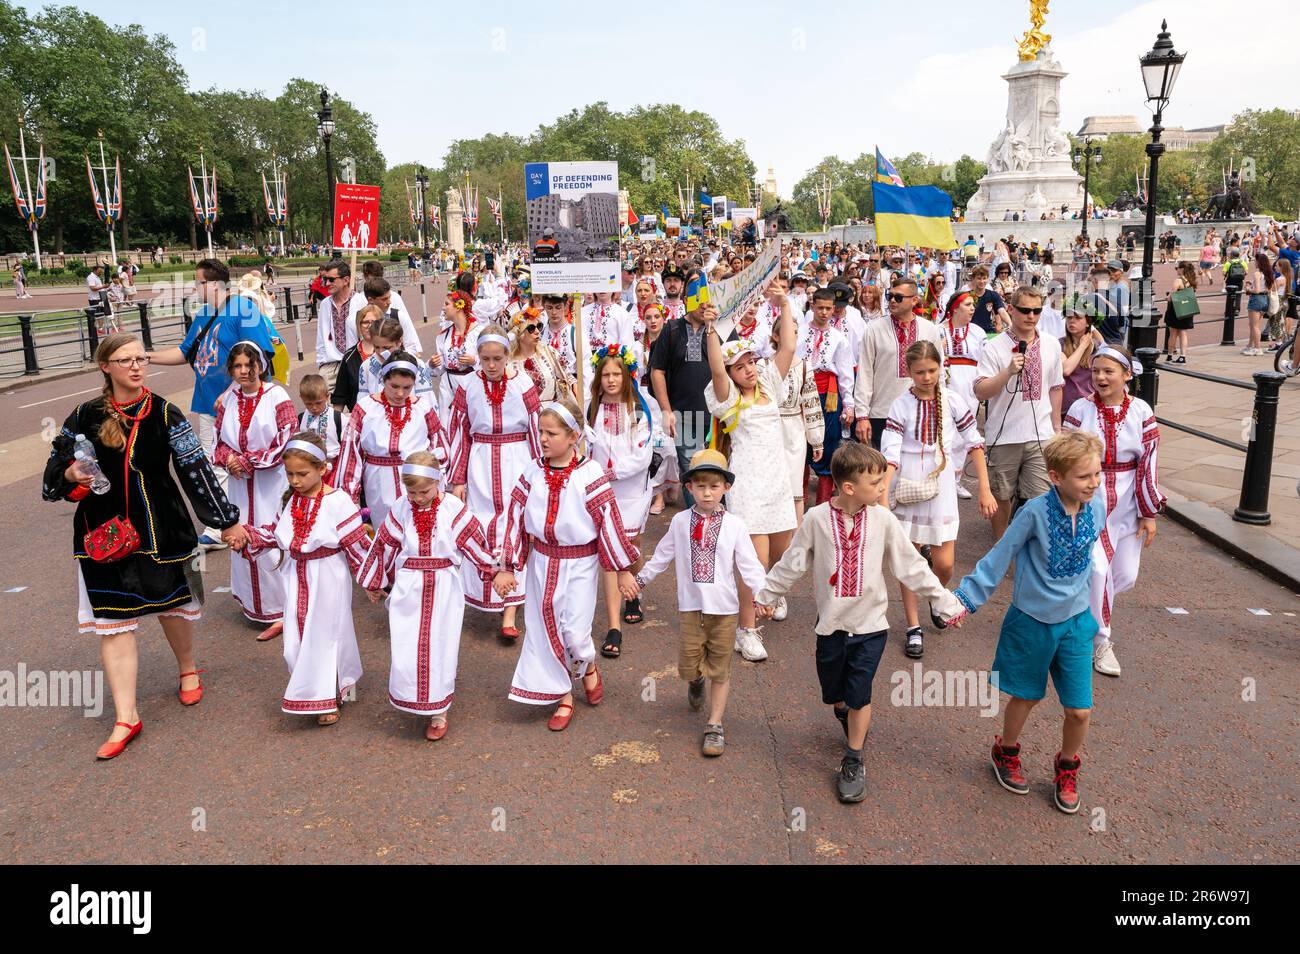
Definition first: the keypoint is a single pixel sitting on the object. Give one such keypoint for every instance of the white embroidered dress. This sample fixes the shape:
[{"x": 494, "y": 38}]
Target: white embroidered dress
[{"x": 623, "y": 441}]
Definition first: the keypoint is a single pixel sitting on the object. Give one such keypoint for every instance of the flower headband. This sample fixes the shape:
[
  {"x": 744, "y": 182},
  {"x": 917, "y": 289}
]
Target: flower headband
[
  {"x": 733, "y": 351},
  {"x": 460, "y": 300},
  {"x": 621, "y": 352}
]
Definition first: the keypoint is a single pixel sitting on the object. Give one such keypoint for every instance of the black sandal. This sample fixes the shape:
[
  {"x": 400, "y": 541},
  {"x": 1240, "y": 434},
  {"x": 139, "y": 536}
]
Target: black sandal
[
  {"x": 632, "y": 611},
  {"x": 613, "y": 644}
]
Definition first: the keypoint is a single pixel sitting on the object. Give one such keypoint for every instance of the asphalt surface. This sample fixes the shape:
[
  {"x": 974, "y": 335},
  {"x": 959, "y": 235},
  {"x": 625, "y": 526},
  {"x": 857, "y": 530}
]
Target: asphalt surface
[{"x": 1178, "y": 766}]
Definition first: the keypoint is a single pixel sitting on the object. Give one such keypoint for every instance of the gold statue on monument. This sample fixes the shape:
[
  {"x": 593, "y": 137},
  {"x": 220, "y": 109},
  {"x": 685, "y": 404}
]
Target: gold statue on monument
[{"x": 1035, "y": 39}]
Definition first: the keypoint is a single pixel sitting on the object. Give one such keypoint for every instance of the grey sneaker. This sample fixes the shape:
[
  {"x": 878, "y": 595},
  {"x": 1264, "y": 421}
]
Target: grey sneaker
[
  {"x": 714, "y": 744},
  {"x": 695, "y": 693},
  {"x": 852, "y": 784},
  {"x": 750, "y": 644}
]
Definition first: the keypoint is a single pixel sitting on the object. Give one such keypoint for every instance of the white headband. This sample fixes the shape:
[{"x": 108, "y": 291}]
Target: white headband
[
  {"x": 261, "y": 357},
  {"x": 563, "y": 413},
  {"x": 420, "y": 470},
  {"x": 311, "y": 450},
  {"x": 1105, "y": 351},
  {"x": 392, "y": 366},
  {"x": 488, "y": 339}
]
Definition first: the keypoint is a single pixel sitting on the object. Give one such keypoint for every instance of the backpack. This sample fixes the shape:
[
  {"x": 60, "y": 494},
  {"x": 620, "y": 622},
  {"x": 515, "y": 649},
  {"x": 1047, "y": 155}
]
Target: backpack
[{"x": 1236, "y": 272}]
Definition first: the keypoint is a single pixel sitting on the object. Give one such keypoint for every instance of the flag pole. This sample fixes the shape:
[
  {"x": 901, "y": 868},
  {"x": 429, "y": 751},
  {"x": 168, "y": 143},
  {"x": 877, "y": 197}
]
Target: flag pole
[
  {"x": 31, "y": 198},
  {"x": 108, "y": 201}
]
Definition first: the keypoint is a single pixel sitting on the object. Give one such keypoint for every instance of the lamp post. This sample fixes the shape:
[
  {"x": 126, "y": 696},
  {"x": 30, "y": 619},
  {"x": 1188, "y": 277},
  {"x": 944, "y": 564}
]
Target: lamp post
[
  {"x": 325, "y": 126},
  {"x": 422, "y": 180},
  {"x": 1160, "y": 69},
  {"x": 1088, "y": 155}
]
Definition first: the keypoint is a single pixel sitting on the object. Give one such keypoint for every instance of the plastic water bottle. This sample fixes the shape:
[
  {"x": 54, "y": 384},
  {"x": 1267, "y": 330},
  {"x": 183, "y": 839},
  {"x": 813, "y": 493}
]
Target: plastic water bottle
[{"x": 85, "y": 457}]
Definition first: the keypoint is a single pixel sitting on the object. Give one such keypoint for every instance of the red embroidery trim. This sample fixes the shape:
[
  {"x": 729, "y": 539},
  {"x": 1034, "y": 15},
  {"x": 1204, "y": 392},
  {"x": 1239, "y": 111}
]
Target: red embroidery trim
[
  {"x": 1110, "y": 419},
  {"x": 248, "y": 406},
  {"x": 426, "y": 520},
  {"x": 397, "y": 416},
  {"x": 495, "y": 391},
  {"x": 555, "y": 481},
  {"x": 304, "y": 511}
]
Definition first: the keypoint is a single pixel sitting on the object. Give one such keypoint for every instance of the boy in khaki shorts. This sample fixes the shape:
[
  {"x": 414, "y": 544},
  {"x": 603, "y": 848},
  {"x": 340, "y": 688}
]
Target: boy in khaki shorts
[{"x": 709, "y": 546}]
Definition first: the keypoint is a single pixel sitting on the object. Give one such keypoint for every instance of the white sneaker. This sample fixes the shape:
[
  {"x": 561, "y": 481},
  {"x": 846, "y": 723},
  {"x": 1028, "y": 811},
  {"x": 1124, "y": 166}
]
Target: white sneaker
[
  {"x": 962, "y": 492},
  {"x": 750, "y": 644},
  {"x": 782, "y": 610},
  {"x": 1104, "y": 661}
]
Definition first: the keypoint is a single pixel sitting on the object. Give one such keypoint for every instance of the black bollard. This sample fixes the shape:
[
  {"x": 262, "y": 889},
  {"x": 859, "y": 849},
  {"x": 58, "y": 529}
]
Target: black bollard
[
  {"x": 29, "y": 345},
  {"x": 1146, "y": 385},
  {"x": 1232, "y": 301},
  {"x": 1253, "y": 507},
  {"x": 146, "y": 333},
  {"x": 92, "y": 332}
]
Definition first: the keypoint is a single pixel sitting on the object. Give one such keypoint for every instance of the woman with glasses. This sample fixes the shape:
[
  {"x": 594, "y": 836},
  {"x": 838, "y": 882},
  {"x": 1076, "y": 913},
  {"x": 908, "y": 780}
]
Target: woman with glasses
[
  {"x": 137, "y": 438},
  {"x": 531, "y": 355}
]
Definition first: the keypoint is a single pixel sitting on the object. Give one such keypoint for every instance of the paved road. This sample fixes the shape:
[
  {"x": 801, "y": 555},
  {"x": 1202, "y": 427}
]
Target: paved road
[{"x": 1178, "y": 768}]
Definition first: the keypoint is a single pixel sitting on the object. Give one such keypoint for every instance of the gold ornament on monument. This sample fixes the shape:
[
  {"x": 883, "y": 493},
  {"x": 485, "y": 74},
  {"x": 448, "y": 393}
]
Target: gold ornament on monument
[{"x": 1035, "y": 39}]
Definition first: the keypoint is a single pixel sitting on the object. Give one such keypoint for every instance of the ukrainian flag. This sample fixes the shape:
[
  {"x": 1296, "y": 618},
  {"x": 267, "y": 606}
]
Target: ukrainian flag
[
  {"x": 920, "y": 216},
  {"x": 697, "y": 293},
  {"x": 885, "y": 171}
]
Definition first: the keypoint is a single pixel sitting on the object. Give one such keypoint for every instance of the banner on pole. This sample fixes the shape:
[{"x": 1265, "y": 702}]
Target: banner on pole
[
  {"x": 573, "y": 226},
  {"x": 356, "y": 216},
  {"x": 731, "y": 296}
]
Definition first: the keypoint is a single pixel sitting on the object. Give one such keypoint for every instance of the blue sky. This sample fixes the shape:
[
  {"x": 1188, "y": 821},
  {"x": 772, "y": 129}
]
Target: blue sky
[{"x": 796, "y": 81}]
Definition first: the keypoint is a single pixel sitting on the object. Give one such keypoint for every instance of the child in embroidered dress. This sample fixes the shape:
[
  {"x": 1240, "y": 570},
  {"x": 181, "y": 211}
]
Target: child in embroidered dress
[
  {"x": 709, "y": 546},
  {"x": 1131, "y": 438},
  {"x": 620, "y": 424},
  {"x": 324, "y": 542},
  {"x": 319, "y": 418},
  {"x": 492, "y": 436},
  {"x": 255, "y": 418},
  {"x": 416, "y": 553},
  {"x": 924, "y": 424},
  {"x": 963, "y": 343},
  {"x": 846, "y": 543},
  {"x": 564, "y": 526},
  {"x": 1048, "y": 627}
]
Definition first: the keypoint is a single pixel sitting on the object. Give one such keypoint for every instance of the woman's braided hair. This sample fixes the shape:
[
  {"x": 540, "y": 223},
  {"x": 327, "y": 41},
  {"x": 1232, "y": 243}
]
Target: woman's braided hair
[
  {"x": 924, "y": 350},
  {"x": 112, "y": 432}
]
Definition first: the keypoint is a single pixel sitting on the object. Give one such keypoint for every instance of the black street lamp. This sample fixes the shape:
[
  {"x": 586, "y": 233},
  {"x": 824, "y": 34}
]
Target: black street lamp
[
  {"x": 1160, "y": 69},
  {"x": 325, "y": 127},
  {"x": 1089, "y": 155},
  {"x": 422, "y": 180}
]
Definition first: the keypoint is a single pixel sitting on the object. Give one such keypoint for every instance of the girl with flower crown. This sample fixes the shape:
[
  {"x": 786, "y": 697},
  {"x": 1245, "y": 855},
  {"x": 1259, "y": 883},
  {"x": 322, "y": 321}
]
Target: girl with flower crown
[
  {"x": 454, "y": 353},
  {"x": 492, "y": 435},
  {"x": 744, "y": 399},
  {"x": 622, "y": 441}
]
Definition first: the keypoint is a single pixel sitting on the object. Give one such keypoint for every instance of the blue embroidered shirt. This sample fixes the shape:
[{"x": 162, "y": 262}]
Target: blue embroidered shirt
[{"x": 1053, "y": 560}]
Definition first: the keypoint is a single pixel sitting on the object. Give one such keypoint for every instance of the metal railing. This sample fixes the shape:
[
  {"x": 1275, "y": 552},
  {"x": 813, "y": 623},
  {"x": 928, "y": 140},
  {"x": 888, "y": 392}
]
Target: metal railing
[{"x": 1252, "y": 506}]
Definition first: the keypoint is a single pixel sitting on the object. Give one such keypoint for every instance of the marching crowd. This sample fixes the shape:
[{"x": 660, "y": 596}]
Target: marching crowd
[{"x": 516, "y": 465}]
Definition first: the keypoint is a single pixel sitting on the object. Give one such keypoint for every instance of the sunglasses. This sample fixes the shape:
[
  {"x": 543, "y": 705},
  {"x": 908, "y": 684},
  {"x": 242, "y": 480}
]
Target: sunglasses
[
  {"x": 532, "y": 328},
  {"x": 1028, "y": 311},
  {"x": 330, "y": 279},
  {"x": 896, "y": 298}
]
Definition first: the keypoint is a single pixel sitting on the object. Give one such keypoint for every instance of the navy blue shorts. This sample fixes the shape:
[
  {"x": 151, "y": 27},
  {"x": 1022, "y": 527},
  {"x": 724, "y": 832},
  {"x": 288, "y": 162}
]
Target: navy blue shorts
[{"x": 846, "y": 665}]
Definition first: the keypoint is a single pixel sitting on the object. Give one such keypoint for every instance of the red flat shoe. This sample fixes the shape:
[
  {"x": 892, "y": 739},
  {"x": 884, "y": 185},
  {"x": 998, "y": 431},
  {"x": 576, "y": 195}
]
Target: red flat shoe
[
  {"x": 435, "y": 731},
  {"x": 510, "y": 633},
  {"x": 191, "y": 697},
  {"x": 111, "y": 750},
  {"x": 594, "y": 695},
  {"x": 560, "y": 721},
  {"x": 272, "y": 631}
]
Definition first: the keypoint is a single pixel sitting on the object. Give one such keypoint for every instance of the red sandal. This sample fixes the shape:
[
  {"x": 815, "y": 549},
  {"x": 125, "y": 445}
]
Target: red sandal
[
  {"x": 111, "y": 750},
  {"x": 509, "y": 633},
  {"x": 595, "y": 694},
  {"x": 560, "y": 721},
  {"x": 191, "y": 697}
]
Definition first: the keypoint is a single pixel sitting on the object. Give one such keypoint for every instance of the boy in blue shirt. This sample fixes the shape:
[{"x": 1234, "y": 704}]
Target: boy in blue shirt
[{"x": 1048, "y": 627}]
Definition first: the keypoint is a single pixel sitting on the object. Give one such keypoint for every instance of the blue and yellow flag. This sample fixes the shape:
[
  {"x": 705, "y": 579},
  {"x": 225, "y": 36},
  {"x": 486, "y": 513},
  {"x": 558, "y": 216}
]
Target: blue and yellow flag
[
  {"x": 885, "y": 171},
  {"x": 697, "y": 293},
  {"x": 920, "y": 216}
]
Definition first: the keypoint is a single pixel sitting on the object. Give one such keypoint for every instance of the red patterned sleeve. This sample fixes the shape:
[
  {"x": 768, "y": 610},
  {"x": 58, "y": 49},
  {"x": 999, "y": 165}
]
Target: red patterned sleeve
[
  {"x": 377, "y": 570},
  {"x": 471, "y": 541},
  {"x": 612, "y": 543},
  {"x": 286, "y": 422},
  {"x": 347, "y": 470},
  {"x": 353, "y": 540},
  {"x": 262, "y": 538},
  {"x": 514, "y": 542},
  {"x": 458, "y": 439},
  {"x": 533, "y": 404},
  {"x": 221, "y": 451},
  {"x": 437, "y": 436},
  {"x": 1150, "y": 500}
]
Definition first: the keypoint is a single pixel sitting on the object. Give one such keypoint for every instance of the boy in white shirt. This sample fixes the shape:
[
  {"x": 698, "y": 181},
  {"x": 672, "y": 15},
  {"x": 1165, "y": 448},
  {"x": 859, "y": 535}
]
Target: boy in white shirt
[
  {"x": 1020, "y": 375},
  {"x": 845, "y": 542},
  {"x": 709, "y": 546}
]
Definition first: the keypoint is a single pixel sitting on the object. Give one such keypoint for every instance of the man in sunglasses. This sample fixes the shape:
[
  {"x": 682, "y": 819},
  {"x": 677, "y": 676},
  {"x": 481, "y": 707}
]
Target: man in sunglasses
[
  {"x": 1020, "y": 375},
  {"x": 336, "y": 319},
  {"x": 882, "y": 370}
]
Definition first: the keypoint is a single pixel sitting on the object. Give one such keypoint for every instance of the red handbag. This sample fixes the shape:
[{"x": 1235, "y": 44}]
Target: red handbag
[{"x": 116, "y": 539}]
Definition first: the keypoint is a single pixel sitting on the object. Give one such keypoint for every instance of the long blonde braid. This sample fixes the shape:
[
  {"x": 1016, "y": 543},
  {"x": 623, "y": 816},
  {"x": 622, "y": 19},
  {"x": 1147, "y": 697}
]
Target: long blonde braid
[
  {"x": 924, "y": 350},
  {"x": 112, "y": 432}
]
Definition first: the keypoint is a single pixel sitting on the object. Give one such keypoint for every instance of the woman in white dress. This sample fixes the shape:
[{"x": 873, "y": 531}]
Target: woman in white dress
[
  {"x": 963, "y": 343},
  {"x": 417, "y": 553},
  {"x": 622, "y": 442},
  {"x": 255, "y": 418},
  {"x": 802, "y": 427},
  {"x": 323, "y": 541},
  {"x": 744, "y": 400},
  {"x": 385, "y": 427},
  {"x": 492, "y": 435},
  {"x": 1128, "y": 430},
  {"x": 533, "y": 357},
  {"x": 454, "y": 353},
  {"x": 925, "y": 423}
]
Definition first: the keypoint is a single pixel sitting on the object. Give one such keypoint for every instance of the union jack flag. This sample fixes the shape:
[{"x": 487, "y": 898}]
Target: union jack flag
[
  {"x": 205, "y": 208},
  {"x": 277, "y": 209},
  {"x": 434, "y": 218},
  {"x": 471, "y": 207},
  {"x": 495, "y": 206},
  {"x": 111, "y": 210},
  {"x": 31, "y": 209}
]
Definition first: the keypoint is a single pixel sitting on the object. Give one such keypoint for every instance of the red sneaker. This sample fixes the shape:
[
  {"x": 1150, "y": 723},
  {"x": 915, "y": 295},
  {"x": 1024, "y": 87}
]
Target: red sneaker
[
  {"x": 1066, "y": 795},
  {"x": 1006, "y": 767}
]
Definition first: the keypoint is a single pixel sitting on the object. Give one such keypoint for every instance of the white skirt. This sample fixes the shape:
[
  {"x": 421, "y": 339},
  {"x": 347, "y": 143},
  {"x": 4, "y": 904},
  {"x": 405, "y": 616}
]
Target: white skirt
[
  {"x": 320, "y": 643},
  {"x": 557, "y": 627},
  {"x": 796, "y": 451},
  {"x": 255, "y": 584},
  {"x": 425, "y": 611}
]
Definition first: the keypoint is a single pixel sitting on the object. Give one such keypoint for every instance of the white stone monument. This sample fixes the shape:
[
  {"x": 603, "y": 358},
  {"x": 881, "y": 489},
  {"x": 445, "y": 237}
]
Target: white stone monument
[
  {"x": 1029, "y": 169},
  {"x": 455, "y": 220}
]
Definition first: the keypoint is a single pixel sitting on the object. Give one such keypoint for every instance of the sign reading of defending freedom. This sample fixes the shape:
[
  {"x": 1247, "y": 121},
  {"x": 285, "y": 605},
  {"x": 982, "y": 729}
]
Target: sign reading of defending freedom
[{"x": 573, "y": 226}]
